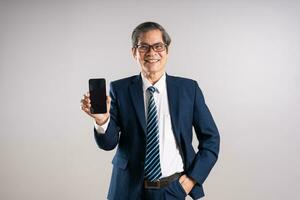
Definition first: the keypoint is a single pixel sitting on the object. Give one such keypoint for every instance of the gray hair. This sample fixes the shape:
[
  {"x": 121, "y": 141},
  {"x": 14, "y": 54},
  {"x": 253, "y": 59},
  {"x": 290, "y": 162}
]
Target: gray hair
[{"x": 149, "y": 26}]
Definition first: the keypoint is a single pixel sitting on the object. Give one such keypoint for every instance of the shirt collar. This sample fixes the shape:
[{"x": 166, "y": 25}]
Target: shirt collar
[{"x": 159, "y": 85}]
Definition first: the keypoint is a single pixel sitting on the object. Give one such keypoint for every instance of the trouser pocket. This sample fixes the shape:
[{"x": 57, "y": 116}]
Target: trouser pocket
[{"x": 174, "y": 191}]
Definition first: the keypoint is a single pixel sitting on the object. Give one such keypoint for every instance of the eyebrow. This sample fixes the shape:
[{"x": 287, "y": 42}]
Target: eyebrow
[{"x": 144, "y": 43}]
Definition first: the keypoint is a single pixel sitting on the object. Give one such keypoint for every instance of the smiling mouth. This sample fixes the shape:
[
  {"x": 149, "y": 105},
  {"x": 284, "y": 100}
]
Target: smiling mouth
[{"x": 152, "y": 60}]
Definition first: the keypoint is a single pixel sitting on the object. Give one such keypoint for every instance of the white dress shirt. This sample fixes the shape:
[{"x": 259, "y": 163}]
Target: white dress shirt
[{"x": 170, "y": 158}]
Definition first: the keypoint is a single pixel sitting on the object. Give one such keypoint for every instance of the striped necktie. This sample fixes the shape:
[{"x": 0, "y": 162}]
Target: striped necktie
[{"x": 152, "y": 163}]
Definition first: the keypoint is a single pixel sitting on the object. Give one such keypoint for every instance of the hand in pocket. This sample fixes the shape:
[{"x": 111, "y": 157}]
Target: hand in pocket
[{"x": 174, "y": 191}]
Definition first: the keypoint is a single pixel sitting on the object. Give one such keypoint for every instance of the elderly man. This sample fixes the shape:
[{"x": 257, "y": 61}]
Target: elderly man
[{"x": 150, "y": 119}]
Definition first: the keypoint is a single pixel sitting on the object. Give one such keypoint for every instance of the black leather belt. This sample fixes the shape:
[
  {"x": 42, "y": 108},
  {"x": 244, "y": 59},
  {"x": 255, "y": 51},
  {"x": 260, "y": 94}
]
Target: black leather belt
[{"x": 163, "y": 182}]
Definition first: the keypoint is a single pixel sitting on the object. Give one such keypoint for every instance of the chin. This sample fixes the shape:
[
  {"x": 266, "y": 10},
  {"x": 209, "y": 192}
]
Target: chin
[{"x": 152, "y": 68}]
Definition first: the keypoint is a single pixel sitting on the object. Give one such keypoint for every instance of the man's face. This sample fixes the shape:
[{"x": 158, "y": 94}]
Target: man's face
[{"x": 151, "y": 62}]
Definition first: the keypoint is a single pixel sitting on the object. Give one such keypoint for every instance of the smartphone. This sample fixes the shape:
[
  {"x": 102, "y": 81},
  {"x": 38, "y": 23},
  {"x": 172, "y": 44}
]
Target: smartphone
[{"x": 97, "y": 88}]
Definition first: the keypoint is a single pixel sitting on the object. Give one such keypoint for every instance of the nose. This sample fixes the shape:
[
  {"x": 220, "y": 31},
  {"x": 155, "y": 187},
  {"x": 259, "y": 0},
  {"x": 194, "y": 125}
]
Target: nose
[{"x": 151, "y": 51}]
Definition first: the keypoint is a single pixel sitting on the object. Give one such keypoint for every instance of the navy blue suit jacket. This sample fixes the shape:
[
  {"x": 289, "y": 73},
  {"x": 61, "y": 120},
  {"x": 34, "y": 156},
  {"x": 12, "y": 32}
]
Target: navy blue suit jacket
[{"x": 127, "y": 129}]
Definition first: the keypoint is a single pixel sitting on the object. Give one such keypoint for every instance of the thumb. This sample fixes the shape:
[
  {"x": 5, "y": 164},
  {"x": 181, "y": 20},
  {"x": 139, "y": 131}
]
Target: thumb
[{"x": 108, "y": 100}]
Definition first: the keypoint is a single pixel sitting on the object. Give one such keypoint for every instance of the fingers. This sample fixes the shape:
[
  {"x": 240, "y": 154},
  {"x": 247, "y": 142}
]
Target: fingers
[{"x": 86, "y": 103}]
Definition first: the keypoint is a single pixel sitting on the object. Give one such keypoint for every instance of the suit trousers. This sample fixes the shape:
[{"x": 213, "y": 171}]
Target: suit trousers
[{"x": 173, "y": 191}]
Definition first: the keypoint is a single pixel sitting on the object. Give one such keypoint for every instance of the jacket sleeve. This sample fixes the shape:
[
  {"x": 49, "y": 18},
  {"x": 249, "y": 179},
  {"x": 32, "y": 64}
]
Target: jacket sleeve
[
  {"x": 208, "y": 137},
  {"x": 110, "y": 138}
]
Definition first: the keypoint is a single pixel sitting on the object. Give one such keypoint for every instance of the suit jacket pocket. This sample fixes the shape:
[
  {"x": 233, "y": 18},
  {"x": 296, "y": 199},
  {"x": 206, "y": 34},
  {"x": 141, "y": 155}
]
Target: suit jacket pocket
[
  {"x": 120, "y": 162},
  {"x": 120, "y": 179}
]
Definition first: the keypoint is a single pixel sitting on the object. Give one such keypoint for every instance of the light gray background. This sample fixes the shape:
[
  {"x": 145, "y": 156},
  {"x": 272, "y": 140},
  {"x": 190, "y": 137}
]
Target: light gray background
[{"x": 244, "y": 55}]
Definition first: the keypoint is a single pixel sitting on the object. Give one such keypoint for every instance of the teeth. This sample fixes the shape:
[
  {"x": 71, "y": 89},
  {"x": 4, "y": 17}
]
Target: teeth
[{"x": 152, "y": 60}]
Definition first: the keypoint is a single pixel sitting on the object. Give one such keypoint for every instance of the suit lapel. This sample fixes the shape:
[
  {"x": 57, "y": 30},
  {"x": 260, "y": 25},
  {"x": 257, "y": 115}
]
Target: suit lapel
[
  {"x": 174, "y": 100},
  {"x": 137, "y": 97}
]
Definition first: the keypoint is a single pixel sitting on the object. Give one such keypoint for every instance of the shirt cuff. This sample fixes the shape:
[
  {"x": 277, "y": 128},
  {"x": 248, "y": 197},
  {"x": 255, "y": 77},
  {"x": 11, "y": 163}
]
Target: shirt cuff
[{"x": 101, "y": 129}]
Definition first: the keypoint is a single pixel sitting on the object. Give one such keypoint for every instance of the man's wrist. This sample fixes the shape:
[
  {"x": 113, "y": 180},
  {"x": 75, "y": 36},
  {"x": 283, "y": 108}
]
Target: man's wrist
[
  {"x": 101, "y": 128},
  {"x": 187, "y": 183},
  {"x": 101, "y": 122}
]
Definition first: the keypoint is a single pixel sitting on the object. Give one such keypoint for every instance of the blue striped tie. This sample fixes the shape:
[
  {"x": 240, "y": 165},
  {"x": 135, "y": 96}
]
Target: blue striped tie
[{"x": 152, "y": 163}]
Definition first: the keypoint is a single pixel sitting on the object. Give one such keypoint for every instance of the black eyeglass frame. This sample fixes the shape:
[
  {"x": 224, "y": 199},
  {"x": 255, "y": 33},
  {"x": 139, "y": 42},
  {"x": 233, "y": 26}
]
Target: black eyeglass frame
[{"x": 151, "y": 46}]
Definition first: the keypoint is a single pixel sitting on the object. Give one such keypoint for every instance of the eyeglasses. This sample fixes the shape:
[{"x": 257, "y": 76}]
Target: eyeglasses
[{"x": 158, "y": 47}]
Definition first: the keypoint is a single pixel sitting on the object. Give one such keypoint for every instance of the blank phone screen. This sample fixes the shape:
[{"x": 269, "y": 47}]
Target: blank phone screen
[{"x": 97, "y": 90}]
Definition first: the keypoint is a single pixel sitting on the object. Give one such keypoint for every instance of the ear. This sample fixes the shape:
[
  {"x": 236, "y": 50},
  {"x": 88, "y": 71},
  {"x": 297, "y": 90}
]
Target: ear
[
  {"x": 133, "y": 50},
  {"x": 167, "y": 50}
]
